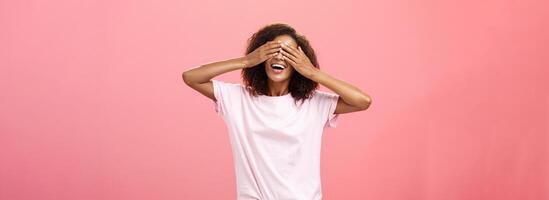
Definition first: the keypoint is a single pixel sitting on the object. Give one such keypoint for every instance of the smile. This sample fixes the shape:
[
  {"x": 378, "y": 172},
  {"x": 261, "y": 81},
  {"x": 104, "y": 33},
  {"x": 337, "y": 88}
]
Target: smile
[{"x": 278, "y": 68}]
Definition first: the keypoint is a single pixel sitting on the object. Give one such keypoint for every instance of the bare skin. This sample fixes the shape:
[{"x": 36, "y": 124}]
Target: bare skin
[{"x": 282, "y": 50}]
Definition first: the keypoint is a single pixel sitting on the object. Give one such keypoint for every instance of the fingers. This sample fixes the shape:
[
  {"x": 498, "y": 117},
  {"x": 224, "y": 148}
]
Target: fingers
[
  {"x": 290, "y": 56},
  {"x": 290, "y": 50},
  {"x": 273, "y": 50},
  {"x": 272, "y": 44},
  {"x": 301, "y": 50},
  {"x": 292, "y": 62},
  {"x": 273, "y": 54}
]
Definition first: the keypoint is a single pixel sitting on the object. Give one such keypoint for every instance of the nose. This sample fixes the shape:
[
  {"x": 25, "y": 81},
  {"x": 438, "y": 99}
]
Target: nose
[{"x": 278, "y": 55}]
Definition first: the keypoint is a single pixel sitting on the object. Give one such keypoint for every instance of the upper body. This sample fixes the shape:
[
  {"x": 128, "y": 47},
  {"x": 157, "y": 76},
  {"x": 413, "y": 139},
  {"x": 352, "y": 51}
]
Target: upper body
[
  {"x": 275, "y": 143},
  {"x": 276, "y": 118}
]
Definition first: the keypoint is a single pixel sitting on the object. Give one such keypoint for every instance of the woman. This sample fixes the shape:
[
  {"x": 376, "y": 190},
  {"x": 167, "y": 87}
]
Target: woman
[{"x": 276, "y": 118}]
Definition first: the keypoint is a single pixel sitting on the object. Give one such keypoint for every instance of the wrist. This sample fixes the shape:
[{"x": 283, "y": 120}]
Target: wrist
[
  {"x": 244, "y": 63},
  {"x": 314, "y": 74}
]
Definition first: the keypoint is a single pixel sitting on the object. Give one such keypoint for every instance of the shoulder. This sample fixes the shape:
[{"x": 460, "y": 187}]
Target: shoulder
[
  {"x": 319, "y": 95},
  {"x": 224, "y": 89},
  {"x": 227, "y": 85},
  {"x": 323, "y": 98}
]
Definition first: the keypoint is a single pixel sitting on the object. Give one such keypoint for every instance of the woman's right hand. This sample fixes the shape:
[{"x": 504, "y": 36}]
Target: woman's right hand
[{"x": 262, "y": 53}]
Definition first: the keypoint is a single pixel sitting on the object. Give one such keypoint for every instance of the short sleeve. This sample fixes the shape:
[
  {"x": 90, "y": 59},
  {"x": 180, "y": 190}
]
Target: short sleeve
[
  {"x": 332, "y": 118},
  {"x": 225, "y": 93},
  {"x": 328, "y": 101},
  {"x": 218, "y": 96}
]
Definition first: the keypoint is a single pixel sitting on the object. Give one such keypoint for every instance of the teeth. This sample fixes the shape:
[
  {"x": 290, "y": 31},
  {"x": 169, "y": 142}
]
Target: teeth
[{"x": 278, "y": 65}]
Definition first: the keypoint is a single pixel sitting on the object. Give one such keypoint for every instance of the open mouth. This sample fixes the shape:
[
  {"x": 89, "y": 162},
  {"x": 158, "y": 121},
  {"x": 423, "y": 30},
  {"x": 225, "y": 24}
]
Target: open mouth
[{"x": 278, "y": 68}]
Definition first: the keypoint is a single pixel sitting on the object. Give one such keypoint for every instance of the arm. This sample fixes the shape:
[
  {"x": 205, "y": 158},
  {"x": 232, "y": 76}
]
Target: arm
[
  {"x": 351, "y": 99},
  {"x": 199, "y": 78}
]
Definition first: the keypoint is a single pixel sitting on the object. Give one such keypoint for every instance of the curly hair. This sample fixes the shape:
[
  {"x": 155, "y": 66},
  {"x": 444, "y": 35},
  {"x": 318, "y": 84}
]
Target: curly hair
[{"x": 255, "y": 78}]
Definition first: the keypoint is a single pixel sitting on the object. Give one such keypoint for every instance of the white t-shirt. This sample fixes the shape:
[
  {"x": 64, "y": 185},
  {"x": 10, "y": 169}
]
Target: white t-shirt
[{"x": 275, "y": 143}]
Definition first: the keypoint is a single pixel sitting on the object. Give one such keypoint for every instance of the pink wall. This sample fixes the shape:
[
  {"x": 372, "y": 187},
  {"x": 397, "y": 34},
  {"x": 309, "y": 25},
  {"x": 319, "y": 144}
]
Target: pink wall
[{"x": 92, "y": 104}]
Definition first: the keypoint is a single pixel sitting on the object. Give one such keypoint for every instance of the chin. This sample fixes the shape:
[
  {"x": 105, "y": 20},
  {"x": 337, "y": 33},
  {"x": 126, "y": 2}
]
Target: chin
[{"x": 278, "y": 79}]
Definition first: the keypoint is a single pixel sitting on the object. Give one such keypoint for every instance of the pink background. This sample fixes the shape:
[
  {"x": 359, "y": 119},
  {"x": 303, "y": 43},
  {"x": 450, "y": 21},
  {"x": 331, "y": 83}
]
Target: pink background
[{"x": 92, "y": 104}]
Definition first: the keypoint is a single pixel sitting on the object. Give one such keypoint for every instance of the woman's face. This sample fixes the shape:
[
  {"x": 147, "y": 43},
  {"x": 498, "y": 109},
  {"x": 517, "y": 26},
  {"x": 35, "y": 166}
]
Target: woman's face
[{"x": 280, "y": 75}]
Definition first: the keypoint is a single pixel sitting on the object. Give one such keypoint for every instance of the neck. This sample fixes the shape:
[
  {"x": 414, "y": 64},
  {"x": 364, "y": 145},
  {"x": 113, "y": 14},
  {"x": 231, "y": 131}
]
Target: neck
[{"x": 278, "y": 88}]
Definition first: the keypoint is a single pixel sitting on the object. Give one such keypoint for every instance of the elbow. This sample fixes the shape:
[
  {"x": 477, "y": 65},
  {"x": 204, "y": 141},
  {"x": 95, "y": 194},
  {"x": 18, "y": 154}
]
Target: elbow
[
  {"x": 365, "y": 102},
  {"x": 186, "y": 78}
]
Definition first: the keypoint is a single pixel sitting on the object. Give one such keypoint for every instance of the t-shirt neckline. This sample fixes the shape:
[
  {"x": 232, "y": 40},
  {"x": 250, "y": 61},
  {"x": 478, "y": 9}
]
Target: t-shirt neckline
[{"x": 288, "y": 95}]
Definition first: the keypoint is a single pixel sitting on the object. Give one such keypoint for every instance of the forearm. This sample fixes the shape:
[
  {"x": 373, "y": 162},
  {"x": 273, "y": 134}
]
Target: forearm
[
  {"x": 349, "y": 93},
  {"x": 206, "y": 72}
]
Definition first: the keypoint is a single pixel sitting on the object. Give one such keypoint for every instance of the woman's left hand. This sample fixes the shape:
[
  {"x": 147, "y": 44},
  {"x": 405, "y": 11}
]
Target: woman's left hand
[{"x": 299, "y": 60}]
